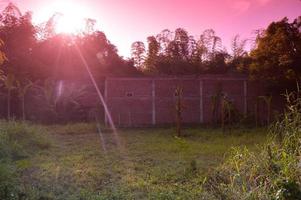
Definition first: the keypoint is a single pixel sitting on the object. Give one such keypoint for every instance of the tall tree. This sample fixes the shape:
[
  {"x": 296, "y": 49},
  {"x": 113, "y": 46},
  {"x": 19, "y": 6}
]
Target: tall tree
[
  {"x": 210, "y": 43},
  {"x": 138, "y": 54},
  {"x": 164, "y": 38},
  {"x": 239, "y": 58},
  {"x": 181, "y": 41},
  {"x": 18, "y": 34},
  {"x": 238, "y": 47},
  {"x": 277, "y": 57},
  {"x": 152, "y": 54}
]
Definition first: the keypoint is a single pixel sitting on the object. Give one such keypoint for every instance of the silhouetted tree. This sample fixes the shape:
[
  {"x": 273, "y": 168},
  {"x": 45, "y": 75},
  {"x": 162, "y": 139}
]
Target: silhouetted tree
[
  {"x": 238, "y": 47},
  {"x": 277, "y": 58},
  {"x": 138, "y": 54},
  {"x": 152, "y": 55},
  {"x": 239, "y": 58},
  {"x": 210, "y": 43},
  {"x": 163, "y": 39},
  {"x": 18, "y": 35}
]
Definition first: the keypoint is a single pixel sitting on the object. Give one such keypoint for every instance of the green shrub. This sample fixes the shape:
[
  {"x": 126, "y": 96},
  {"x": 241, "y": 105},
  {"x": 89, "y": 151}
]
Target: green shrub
[
  {"x": 271, "y": 173},
  {"x": 8, "y": 181},
  {"x": 17, "y": 142},
  {"x": 74, "y": 128}
]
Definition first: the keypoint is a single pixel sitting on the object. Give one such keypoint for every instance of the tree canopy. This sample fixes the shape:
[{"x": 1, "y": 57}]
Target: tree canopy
[
  {"x": 277, "y": 56},
  {"x": 178, "y": 53},
  {"x": 37, "y": 52}
]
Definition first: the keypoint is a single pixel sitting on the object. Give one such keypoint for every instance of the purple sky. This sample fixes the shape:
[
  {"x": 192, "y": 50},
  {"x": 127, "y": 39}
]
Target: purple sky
[{"x": 126, "y": 21}]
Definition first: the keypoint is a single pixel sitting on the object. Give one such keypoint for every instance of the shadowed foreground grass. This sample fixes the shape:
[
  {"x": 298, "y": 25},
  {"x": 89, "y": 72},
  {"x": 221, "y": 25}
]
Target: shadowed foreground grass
[{"x": 148, "y": 163}]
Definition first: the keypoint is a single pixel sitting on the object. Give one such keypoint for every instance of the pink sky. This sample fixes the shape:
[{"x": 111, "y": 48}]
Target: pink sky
[{"x": 126, "y": 21}]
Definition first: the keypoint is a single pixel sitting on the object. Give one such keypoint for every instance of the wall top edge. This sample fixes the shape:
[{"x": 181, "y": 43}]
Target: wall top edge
[{"x": 175, "y": 78}]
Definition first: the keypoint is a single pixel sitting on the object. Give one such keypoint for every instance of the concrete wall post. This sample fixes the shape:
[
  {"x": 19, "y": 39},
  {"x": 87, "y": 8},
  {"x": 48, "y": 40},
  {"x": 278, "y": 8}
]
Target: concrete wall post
[
  {"x": 201, "y": 102},
  {"x": 153, "y": 102}
]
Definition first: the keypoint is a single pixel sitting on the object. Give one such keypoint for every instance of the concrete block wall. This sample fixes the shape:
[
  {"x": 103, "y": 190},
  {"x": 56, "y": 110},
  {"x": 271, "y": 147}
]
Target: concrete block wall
[{"x": 151, "y": 101}]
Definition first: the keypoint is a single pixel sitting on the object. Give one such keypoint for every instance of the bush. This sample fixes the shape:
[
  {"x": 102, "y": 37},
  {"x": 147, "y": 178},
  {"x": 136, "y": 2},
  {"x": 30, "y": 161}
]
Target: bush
[
  {"x": 273, "y": 172},
  {"x": 17, "y": 142}
]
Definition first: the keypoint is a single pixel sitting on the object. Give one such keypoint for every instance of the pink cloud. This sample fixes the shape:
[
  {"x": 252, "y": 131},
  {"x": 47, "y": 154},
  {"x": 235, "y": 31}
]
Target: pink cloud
[
  {"x": 241, "y": 6},
  {"x": 263, "y": 2}
]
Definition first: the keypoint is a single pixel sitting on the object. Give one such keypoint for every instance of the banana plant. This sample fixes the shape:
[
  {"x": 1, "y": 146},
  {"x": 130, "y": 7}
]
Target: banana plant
[
  {"x": 69, "y": 100},
  {"x": 46, "y": 94},
  {"x": 268, "y": 102},
  {"x": 226, "y": 112},
  {"x": 22, "y": 91},
  {"x": 179, "y": 110},
  {"x": 215, "y": 103},
  {"x": 60, "y": 99}
]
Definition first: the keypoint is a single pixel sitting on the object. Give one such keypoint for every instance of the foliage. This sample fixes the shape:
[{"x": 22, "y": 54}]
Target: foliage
[
  {"x": 273, "y": 172},
  {"x": 138, "y": 51},
  {"x": 228, "y": 113},
  {"x": 179, "y": 109},
  {"x": 37, "y": 53},
  {"x": 23, "y": 89},
  {"x": 278, "y": 54},
  {"x": 18, "y": 141},
  {"x": 18, "y": 35},
  {"x": 155, "y": 164},
  {"x": 60, "y": 101},
  {"x": 178, "y": 53},
  {"x": 9, "y": 82}
]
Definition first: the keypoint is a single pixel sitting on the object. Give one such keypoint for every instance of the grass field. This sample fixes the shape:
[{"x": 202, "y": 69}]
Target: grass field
[{"x": 147, "y": 163}]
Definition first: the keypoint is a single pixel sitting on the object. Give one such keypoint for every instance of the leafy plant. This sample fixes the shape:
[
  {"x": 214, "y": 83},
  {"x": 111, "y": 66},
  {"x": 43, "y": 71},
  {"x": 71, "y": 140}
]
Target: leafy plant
[
  {"x": 226, "y": 112},
  {"x": 273, "y": 172},
  {"x": 215, "y": 102},
  {"x": 60, "y": 100},
  {"x": 17, "y": 142},
  {"x": 9, "y": 84},
  {"x": 22, "y": 91},
  {"x": 268, "y": 102},
  {"x": 179, "y": 110}
]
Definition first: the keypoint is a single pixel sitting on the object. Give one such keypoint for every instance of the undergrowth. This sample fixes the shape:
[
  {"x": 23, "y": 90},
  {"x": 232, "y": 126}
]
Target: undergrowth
[
  {"x": 273, "y": 172},
  {"x": 18, "y": 141}
]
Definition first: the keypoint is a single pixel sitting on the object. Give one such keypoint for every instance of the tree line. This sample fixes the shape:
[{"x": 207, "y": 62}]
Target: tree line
[
  {"x": 37, "y": 52},
  {"x": 35, "y": 58},
  {"x": 275, "y": 56}
]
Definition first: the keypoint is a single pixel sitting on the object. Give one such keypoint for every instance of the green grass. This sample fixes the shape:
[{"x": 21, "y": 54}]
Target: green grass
[{"x": 147, "y": 164}]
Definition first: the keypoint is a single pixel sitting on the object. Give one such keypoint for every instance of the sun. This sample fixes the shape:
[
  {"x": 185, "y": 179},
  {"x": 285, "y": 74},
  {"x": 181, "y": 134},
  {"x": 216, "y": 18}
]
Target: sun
[
  {"x": 69, "y": 23},
  {"x": 71, "y": 16}
]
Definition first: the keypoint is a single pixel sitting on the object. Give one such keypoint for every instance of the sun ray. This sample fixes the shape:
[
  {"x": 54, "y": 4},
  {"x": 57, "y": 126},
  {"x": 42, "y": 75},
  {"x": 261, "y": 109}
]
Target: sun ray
[{"x": 71, "y": 18}]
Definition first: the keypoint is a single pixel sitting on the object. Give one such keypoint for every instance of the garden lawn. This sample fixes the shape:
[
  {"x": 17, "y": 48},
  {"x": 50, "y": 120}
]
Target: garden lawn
[{"x": 135, "y": 164}]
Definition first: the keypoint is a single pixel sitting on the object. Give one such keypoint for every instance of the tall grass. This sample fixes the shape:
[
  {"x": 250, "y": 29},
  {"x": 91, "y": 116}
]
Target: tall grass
[
  {"x": 18, "y": 141},
  {"x": 274, "y": 172}
]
